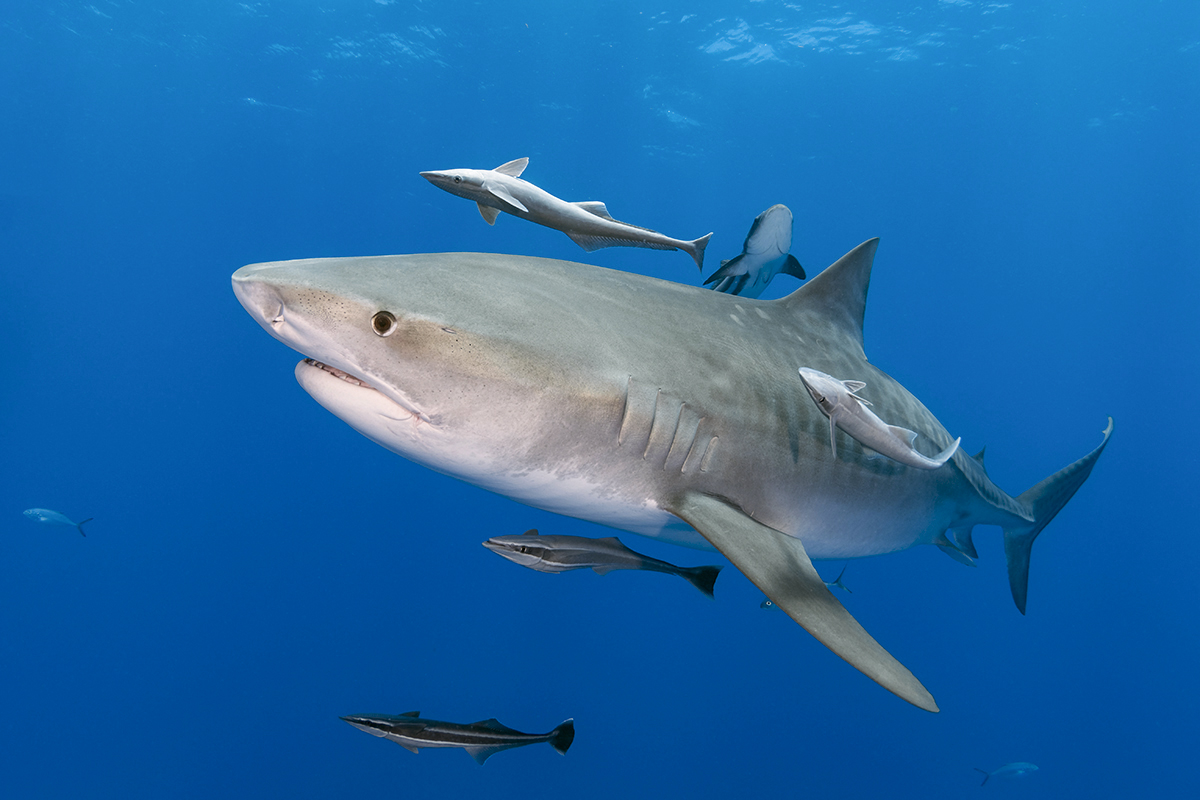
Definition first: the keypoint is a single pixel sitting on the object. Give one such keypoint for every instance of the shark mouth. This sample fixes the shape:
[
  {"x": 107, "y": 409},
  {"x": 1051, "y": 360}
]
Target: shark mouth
[{"x": 337, "y": 373}]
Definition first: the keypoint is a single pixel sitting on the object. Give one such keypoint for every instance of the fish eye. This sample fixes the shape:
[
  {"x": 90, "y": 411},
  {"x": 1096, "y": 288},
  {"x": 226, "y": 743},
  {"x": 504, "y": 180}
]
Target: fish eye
[
  {"x": 384, "y": 323},
  {"x": 458, "y": 178}
]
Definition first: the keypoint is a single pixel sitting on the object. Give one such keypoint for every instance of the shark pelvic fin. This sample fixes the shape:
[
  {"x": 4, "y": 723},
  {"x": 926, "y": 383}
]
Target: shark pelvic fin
[
  {"x": 500, "y": 192},
  {"x": 513, "y": 168},
  {"x": 839, "y": 293},
  {"x": 488, "y": 213},
  {"x": 778, "y": 565},
  {"x": 1044, "y": 501}
]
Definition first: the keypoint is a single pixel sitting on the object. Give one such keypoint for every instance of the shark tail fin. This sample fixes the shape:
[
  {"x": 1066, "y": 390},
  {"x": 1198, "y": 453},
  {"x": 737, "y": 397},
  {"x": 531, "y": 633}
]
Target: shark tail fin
[
  {"x": 562, "y": 736},
  {"x": 1044, "y": 500},
  {"x": 703, "y": 578},
  {"x": 696, "y": 249},
  {"x": 986, "y": 774},
  {"x": 79, "y": 526}
]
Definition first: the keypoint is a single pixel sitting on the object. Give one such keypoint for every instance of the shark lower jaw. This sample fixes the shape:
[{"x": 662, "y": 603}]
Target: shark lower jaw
[{"x": 314, "y": 376}]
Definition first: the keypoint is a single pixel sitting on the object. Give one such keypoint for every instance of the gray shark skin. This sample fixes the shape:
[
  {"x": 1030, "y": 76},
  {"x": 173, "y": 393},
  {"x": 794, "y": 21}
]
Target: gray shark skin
[
  {"x": 563, "y": 553},
  {"x": 764, "y": 255},
  {"x": 588, "y": 224},
  {"x": 481, "y": 739},
  {"x": 49, "y": 517},
  {"x": 666, "y": 410}
]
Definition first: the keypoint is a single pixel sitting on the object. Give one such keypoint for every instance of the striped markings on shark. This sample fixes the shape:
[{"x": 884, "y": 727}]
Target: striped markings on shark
[
  {"x": 48, "y": 517},
  {"x": 481, "y": 739},
  {"x": 587, "y": 223},
  {"x": 555, "y": 554}
]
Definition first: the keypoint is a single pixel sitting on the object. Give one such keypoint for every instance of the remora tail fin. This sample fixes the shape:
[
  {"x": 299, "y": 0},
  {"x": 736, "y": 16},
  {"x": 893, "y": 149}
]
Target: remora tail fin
[
  {"x": 79, "y": 526},
  {"x": 703, "y": 578},
  {"x": 562, "y": 736},
  {"x": 1044, "y": 500},
  {"x": 697, "y": 249}
]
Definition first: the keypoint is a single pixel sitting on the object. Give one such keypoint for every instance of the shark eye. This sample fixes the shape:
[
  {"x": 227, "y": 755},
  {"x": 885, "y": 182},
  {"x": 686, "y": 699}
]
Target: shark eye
[{"x": 384, "y": 323}]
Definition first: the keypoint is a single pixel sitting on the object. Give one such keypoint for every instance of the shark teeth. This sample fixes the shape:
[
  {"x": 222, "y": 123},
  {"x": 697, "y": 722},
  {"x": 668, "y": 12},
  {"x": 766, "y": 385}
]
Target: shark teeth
[{"x": 337, "y": 373}]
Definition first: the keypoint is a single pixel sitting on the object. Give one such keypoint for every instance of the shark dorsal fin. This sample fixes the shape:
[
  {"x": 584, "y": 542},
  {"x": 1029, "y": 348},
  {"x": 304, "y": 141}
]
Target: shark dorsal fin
[
  {"x": 513, "y": 168},
  {"x": 595, "y": 207},
  {"x": 839, "y": 293}
]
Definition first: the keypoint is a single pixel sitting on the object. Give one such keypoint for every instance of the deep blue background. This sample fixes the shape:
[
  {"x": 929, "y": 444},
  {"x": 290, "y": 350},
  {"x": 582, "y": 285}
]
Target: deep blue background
[{"x": 256, "y": 569}]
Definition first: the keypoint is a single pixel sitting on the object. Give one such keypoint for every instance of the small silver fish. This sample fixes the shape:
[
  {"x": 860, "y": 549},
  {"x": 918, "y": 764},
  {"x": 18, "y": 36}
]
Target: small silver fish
[
  {"x": 764, "y": 255},
  {"x": 481, "y": 739},
  {"x": 1014, "y": 770},
  {"x": 587, "y": 223},
  {"x": 563, "y": 553},
  {"x": 846, "y": 410},
  {"x": 835, "y": 583},
  {"x": 54, "y": 518}
]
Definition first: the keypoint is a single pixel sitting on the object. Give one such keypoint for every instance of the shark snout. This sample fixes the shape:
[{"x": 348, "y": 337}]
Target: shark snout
[{"x": 260, "y": 299}]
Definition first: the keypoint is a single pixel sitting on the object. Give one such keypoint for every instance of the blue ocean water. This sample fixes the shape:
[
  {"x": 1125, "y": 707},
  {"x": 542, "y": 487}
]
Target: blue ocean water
[{"x": 256, "y": 569}]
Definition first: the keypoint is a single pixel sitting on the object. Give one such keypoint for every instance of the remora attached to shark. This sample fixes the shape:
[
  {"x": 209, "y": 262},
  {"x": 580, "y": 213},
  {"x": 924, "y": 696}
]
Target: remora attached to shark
[
  {"x": 653, "y": 407},
  {"x": 587, "y": 223}
]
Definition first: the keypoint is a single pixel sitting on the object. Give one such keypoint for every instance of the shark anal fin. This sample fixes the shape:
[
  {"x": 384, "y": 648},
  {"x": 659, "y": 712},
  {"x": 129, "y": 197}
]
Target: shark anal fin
[
  {"x": 488, "y": 213},
  {"x": 777, "y": 564}
]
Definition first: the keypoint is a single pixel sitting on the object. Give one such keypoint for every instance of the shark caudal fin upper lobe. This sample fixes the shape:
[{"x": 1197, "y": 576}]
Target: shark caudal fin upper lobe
[
  {"x": 703, "y": 578},
  {"x": 562, "y": 736},
  {"x": 1044, "y": 500}
]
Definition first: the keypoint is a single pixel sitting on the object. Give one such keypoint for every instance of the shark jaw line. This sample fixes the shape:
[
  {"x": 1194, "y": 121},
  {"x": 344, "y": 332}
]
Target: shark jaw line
[{"x": 411, "y": 412}]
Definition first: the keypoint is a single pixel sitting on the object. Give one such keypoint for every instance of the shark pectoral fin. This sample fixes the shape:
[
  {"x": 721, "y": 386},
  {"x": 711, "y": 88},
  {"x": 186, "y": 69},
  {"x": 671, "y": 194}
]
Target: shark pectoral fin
[
  {"x": 513, "y": 168},
  {"x": 595, "y": 207},
  {"x": 488, "y": 213},
  {"x": 501, "y": 193},
  {"x": 792, "y": 267},
  {"x": 777, "y": 564}
]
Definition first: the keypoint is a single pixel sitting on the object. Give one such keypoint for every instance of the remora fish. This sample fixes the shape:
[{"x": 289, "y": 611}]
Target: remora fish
[
  {"x": 54, "y": 518},
  {"x": 666, "y": 410},
  {"x": 1013, "y": 770},
  {"x": 587, "y": 223},
  {"x": 563, "y": 553},
  {"x": 848, "y": 411},
  {"x": 764, "y": 255},
  {"x": 481, "y": 739},
  {"x": 833, "y": 584}
]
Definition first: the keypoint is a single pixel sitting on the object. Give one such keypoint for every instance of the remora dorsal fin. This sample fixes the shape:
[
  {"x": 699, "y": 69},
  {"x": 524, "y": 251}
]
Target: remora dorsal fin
[
  {"x": 595, "y": 207},
  {"x": 513, "y": 168},
  {"x": 839, "y": 293}
]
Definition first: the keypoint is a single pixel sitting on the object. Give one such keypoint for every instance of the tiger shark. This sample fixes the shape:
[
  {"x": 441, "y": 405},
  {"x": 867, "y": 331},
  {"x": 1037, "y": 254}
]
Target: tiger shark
[{"x": 653, "y": 407}]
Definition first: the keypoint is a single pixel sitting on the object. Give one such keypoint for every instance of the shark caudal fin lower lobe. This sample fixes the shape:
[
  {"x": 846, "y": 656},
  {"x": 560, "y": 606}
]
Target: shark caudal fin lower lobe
[
  {"x": 563, "y": 735},
  {"x": 703, "y": 578},
  {"x": 1045, "y": 500}
]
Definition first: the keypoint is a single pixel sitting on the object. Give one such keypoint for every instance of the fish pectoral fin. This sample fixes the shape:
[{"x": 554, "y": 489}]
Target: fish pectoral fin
[
  {"x": 513, "y": 168},
  {"x": 729, "y": 268},
  {"x": 595, "y": 207},
  {"x": 488, "y": 213},
  {"x": 855, "y": 386},
  {"x": 501, "y": 193},
  {"x": 791, "y": 266},
  {"x": 604, "y": 569},
  {"x": 777, "y": 564},
  {"x": 412, "y": 748}
]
